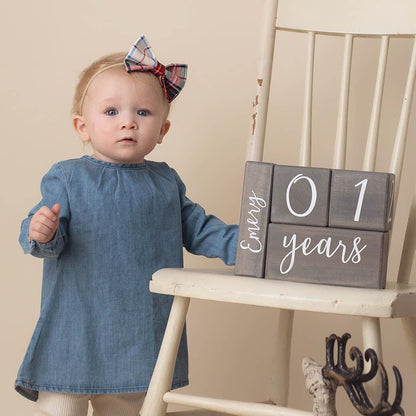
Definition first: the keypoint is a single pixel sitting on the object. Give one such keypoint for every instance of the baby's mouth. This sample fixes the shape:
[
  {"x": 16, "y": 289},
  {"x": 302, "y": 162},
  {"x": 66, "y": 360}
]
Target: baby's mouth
[{"x": 127, "y": 140}]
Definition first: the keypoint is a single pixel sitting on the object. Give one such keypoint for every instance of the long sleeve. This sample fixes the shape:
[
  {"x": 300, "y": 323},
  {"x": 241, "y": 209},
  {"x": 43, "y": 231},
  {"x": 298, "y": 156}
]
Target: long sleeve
[
  {"x": 53, "y": 188},
  {"x": 206, "y": 234}
]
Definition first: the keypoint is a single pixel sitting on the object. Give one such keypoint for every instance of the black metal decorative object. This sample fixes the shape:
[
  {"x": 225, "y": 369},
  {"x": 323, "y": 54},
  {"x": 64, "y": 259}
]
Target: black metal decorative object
[{"x": 353, "y": 378}]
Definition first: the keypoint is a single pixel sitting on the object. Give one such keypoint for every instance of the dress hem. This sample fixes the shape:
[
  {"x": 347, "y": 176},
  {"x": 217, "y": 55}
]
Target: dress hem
[{"x": 31, "y": 391}]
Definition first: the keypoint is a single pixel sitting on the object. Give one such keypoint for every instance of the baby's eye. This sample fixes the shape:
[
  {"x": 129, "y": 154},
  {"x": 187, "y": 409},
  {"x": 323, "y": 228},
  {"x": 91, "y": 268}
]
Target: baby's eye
[
  {"x": 142, "y": 112},
  {"x": 111, "y": 112}
]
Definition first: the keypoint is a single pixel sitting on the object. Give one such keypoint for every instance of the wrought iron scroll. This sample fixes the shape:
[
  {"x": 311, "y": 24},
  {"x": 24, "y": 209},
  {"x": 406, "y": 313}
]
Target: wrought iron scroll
[{"x": 352, "y": 379}]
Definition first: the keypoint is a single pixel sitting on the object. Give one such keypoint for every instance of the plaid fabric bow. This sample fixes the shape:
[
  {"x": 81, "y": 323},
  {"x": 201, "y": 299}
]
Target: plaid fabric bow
[{"x": 141, "y": 58}]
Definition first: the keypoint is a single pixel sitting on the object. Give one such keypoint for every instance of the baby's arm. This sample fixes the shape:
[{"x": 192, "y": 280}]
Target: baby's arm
[
  {"x": 44, "y": 223},
  {"x": 44, "y": 232},
  {"x": 206, "y": 234}
]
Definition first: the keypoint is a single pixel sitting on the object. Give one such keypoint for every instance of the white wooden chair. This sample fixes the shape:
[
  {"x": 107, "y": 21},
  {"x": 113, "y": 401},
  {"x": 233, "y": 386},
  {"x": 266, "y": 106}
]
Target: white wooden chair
[{"x": 384, "y": 19}]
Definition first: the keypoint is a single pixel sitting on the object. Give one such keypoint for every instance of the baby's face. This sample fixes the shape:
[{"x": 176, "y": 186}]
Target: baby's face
[{"x": 124, "y": 116}]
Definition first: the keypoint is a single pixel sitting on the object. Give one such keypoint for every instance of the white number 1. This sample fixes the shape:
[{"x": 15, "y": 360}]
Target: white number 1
[{"x": 363, "y": 185}]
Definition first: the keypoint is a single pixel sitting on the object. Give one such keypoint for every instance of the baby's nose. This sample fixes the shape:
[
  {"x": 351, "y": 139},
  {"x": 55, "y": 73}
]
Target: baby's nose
[{"x": 129, "y": 123}]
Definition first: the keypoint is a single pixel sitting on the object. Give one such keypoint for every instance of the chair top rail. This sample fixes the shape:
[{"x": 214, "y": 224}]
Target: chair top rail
[
  {"x": 381, "y": 17},
  {"x": 341, "y": 34}
]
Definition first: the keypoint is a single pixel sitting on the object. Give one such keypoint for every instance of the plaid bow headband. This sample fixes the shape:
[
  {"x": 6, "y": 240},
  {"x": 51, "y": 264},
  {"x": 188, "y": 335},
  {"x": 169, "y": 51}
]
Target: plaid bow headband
[{"x": 141, "y": 58}]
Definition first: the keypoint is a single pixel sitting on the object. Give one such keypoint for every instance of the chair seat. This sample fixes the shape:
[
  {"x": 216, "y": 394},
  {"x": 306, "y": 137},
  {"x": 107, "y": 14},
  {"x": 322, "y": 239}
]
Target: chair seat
[
  {"x": 196, "y": 412},
  {"x": 395, "y": 301}
]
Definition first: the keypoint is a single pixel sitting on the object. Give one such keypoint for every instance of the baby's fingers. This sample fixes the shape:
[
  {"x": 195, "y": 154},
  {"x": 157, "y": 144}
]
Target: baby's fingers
[
  {"x": 56, "y": 209},
  {"x": 47, "y": 216},
  {"x": 40, "y": 233},
  {"x": 43, "y": 225}
]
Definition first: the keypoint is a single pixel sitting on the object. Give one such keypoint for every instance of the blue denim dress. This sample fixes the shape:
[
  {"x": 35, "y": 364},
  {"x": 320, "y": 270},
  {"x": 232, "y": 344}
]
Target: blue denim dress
[{"x": 100, "y": 328}]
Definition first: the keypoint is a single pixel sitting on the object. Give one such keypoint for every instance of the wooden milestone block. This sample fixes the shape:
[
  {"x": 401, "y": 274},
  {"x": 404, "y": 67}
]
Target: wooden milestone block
[
  {"x": 300, "y": 195},
  {"x": 361, "y": 200},
  {"x": 325, "y": 255},
  {"x": 254, "y": 219}
]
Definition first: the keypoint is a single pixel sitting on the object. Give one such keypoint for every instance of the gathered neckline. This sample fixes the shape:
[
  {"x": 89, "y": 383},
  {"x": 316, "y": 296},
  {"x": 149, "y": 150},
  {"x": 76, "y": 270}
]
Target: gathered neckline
[{"x": 115, "y": 165}]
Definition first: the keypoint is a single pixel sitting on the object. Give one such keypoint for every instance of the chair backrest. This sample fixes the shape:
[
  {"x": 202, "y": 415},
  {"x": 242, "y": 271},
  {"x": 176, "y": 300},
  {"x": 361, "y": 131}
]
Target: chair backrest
[{"x": 350, "y": 19}]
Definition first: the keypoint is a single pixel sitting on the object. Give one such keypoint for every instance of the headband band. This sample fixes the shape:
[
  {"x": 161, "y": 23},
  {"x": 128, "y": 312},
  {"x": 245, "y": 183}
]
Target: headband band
[{"x": 92, "y": 79}]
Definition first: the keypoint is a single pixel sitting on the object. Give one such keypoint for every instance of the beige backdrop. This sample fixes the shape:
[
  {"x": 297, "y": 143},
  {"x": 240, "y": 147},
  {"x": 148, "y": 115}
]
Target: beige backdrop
[{"x": 45, "y": 45}]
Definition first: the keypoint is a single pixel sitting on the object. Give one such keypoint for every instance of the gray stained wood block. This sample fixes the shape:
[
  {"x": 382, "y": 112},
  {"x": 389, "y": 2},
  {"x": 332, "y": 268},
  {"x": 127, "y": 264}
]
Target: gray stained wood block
[
  {"x": 254, "y": 219},
  {"x": 324, "y": 255},
  {"x": 361, "y": 200},
  {"x": 300, "y": 195}
]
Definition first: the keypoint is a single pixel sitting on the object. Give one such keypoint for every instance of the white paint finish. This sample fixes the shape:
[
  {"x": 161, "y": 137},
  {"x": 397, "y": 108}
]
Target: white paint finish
[
  {"x": 255, "y": 143},
  {"x": 349, "y": 16},
  {"x": 306, "y": 136},
  {"x": 409, "y": 326},
  {"x": 232, "y": 407},
  {"x": 280, "y": 366},
  {"x": 401, "y": 136},
  {"x": 163, "y": 373},
  {"x": 409, "y": 245},
  {"x": 371, "y": 331},
  {"x": 341, "y": 135},
  {"x": 372, "y": 138},
  {"x": 393, "y": 302}
]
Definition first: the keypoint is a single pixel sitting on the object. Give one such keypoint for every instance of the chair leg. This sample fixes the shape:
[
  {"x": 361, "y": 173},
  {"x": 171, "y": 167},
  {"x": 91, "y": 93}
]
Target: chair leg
[
  {"x": 161, "y": 381},
  {"x": 279, "y": 378},
  {"x": 371, "y": 331},
  {"x": 409, "y": 325}
]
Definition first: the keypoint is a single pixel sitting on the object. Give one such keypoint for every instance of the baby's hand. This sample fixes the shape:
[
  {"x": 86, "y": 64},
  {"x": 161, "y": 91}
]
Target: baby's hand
[{"x": 44, "y": 223}]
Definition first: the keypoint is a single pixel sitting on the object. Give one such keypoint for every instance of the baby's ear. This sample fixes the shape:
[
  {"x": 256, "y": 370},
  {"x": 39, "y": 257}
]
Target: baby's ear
[
  {"x": 80, "y": 127},
  {"x": 163, "y": 130}
]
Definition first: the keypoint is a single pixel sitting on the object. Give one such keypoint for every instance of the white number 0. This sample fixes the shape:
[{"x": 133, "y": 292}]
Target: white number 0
[{"x": 313, "y": 196}]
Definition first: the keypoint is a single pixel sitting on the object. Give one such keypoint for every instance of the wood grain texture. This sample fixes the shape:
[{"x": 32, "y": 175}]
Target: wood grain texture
[
  {"x": 254, "y": 219},
  {"x": 324, "y": 255},
  {"x": 300, "y": 195},
  {"x": 362, "y": 200}
]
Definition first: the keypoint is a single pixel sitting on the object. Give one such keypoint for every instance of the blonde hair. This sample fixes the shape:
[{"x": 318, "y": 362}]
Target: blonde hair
[{"x": 88, "y": 75}]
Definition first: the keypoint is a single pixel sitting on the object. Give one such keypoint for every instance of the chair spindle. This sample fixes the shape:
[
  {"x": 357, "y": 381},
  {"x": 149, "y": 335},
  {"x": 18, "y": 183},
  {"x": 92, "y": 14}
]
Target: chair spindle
[{"x": 341, "y": 134}]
